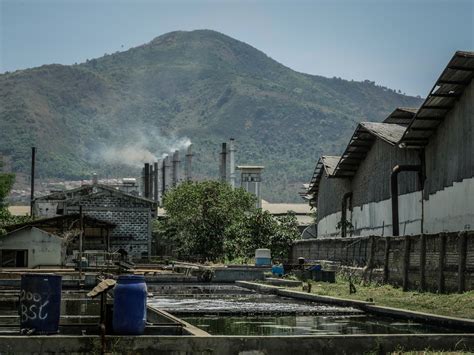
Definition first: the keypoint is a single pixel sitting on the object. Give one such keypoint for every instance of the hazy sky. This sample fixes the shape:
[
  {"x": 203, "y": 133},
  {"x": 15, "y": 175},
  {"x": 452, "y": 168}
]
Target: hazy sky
[{"x": 402, "y": 44}]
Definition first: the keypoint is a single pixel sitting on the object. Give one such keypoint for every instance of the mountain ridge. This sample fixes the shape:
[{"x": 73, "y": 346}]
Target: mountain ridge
[{"x": 201, "y": 85}]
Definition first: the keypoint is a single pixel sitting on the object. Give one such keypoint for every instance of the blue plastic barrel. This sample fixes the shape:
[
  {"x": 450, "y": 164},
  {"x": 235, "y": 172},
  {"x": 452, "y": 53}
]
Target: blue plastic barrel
[
  {"x": 40, "y": 303},
  {"x": 278, "y": 270},
  {"x": 130, "y": 294}
]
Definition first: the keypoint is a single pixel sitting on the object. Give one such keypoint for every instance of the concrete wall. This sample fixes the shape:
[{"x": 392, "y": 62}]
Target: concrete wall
[
  {"x": 43, "y": 248},
  {"x": 451, "y": 209},
  {"x": 238, "y": 345},
  {"x": 375, "y": 218},
  {"x": 445, "y": 260}
]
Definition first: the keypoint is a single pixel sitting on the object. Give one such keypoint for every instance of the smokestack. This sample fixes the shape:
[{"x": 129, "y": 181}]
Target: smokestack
[
  {"x": 167, "y": 174},
  {"x": 147, "y": 180},
  {"x": 176, "y": 168},
  {"x": 188, "y": 164},
  {"x": 32, "y": 196},
  {"x": 163, "y": 177},
  {"x": 223, "y": 166},
  {"x": 151, "y": 179},
  {"x": 155, "y": 181},
  {"x": 95, "y": 179},
  {"x": 232, "y": 163}
]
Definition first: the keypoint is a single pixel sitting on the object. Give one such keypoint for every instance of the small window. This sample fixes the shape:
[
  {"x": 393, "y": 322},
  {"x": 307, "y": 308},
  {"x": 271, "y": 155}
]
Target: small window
[{"x": 14, "y": 258}]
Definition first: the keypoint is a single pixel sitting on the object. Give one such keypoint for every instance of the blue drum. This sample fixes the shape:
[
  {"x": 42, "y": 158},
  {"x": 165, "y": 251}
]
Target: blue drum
[
  {"x": 130, "y": 295},
  {"x": 40, "y": 303}
]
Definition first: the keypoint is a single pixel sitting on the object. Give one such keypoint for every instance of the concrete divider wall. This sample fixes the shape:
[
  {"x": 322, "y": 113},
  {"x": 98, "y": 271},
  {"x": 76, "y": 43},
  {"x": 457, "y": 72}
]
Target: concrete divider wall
[
  {"x": 441, "y": 262},
  {"x": 237, "y": 345}
]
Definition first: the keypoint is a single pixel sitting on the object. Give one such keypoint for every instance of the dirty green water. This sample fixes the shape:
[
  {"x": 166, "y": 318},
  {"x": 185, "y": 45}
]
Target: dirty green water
[
  {"x": 307, "y": 325},
  {"x": 232, "y": 310}
]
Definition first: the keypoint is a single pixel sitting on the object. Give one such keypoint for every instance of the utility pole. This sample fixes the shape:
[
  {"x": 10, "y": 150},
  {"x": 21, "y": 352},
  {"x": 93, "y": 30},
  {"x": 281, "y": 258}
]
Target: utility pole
[
  {"x": 81, "y": 227},
  {"x": 32, "y": 192}
]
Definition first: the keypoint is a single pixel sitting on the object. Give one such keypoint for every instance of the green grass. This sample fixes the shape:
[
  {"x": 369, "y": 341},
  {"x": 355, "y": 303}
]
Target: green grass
[{"x": 454, "y": 305}]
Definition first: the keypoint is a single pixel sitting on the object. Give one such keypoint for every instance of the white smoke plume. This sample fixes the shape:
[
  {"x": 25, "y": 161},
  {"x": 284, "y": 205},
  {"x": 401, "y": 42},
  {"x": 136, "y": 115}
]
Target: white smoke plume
[{"x": 140, "y": 147}]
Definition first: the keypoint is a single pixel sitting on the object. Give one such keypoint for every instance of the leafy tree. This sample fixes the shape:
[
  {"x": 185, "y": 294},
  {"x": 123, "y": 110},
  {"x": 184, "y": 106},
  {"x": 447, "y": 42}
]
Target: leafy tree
[
  {"x": 6, "y": 183},
  {"x": 211, "y": 221},
  {"x": 6, "y": 218},
  {"x": 199, "y": 215}
]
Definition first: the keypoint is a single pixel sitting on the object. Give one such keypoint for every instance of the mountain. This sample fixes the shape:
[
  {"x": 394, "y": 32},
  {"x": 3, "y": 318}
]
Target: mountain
[{"x": 201, "y": 85}]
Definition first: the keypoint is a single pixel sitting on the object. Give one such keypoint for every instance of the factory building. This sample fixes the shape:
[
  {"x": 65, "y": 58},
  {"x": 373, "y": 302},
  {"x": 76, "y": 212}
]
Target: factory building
[
  {"x": 131, "y": 215},
  {"x": 443, "y": 129},
  {"x": 411, "y": 174}
]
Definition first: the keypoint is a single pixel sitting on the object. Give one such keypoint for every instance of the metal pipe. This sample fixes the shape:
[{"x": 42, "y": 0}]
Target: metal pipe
[
  {"x": 223, "y": 166},
  {"x": 81, "y": 232},
  {"x": 188, "y": 164},
  {"x": 347, "y": 196},
  {"x": 32, "y": 192},
  {"x": 232, "y": 163},
  {"x": 394, "y": 192}
]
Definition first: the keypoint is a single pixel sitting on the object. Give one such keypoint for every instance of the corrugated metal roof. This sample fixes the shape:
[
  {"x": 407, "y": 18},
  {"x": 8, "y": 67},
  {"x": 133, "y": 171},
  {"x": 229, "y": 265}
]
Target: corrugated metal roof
[
  {"x": 401, "y": 116},
  {"x": 326, "y": 163},
  {"x": 442, "y": 98},
  {"x": 361, "y": 142},
  {"x": 389, "y": 132}
]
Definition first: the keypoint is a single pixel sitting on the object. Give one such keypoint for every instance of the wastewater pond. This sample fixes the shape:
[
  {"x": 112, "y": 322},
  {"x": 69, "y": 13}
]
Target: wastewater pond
[
  {"x": 232, "y": 310},
  {"x": 306, "y": 325}
]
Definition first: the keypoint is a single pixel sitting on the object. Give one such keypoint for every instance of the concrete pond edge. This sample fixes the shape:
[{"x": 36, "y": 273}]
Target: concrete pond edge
[{"x": 369, "y": 307}]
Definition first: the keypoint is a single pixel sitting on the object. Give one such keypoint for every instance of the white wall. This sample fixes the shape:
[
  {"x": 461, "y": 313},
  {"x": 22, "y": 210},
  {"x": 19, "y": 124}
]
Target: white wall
[
  {"x": 375, "y": 218},
  {"x": 451, "y": 209},
  {"x": 43, "y": 248},
  {"x": 448, "y": 210}
]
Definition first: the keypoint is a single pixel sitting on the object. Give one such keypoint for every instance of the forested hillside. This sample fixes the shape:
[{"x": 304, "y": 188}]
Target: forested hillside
[{"x": 201, "y": 85}]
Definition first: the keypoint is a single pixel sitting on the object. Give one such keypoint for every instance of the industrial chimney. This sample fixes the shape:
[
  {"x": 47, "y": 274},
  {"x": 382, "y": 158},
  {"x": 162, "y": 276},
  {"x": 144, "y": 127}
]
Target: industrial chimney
[
  {"x": 156, "y": 173},
  {"x": 188, "y": 164},
  {"x": 232, "y": 163},
  {"x": 176, "y": 168},
  {"x": 223, "y": 164},
  {"x": 147, "y": 180},
  {"x": 95, "y": 179}
]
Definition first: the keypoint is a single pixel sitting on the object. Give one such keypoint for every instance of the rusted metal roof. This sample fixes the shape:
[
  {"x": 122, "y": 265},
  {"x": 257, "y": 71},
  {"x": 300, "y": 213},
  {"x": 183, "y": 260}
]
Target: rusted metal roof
[
  {"x": 361, "y": 142},
  {"x": 442, "y": 98}
]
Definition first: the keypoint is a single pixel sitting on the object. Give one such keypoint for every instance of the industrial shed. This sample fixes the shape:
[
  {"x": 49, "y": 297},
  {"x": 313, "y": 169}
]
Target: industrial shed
[
  {"x": 327, "y": 194},
  {"x": 443, "y": 129},
  {"x": 412, "y": 173},
  {"x": 368, "y": 161},
  {"x": 131, "y": 215}
]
